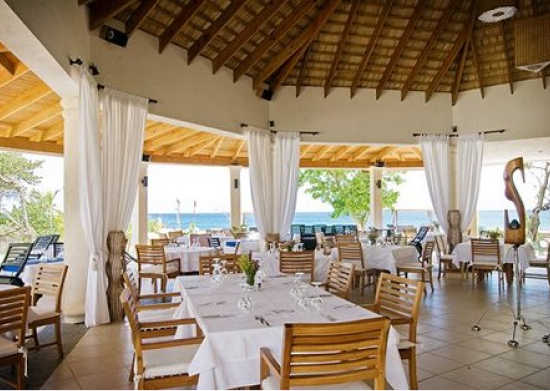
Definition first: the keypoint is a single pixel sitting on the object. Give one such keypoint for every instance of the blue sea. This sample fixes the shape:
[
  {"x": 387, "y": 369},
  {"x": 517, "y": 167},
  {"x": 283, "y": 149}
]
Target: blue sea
[{"x": 487, "y": 219}]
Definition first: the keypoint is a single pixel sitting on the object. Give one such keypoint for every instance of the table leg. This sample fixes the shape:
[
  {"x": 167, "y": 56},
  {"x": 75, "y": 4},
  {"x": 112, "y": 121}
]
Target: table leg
[{"x": 509, "y": 271}]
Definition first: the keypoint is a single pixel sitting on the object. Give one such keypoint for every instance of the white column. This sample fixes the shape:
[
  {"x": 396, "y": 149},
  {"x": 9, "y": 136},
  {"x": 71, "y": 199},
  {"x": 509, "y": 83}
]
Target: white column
[
  {"x": 140, "y": 212},
  {"x": 76, "y": 249},
  {"x": 376, "y": 218},
  {"x": 235, "y": 195}
]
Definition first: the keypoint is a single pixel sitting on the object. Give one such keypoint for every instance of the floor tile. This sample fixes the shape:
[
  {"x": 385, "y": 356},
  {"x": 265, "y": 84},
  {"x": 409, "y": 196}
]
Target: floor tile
[
  {"x": 537, "y": 347},
  {"x": 482, "y": 345},
  {"x": 436, "y": 364},
  {"x": 441, "y": 383},
  {"x": 462, "y": 355},
  {"x": 477, "y": 378},
  {"x": 518, "y": 386},
  {"x": 528, "y": 358},
  {"x": 539, "y": 379},
  {"x": 508, "y": 368}
]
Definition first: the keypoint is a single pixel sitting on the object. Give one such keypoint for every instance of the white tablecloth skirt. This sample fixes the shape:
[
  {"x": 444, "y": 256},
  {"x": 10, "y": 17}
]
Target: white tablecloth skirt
[
  {"x": 189, "y": 256},
  {"x": 269, "y": 263},
  {"x": 462, "y": 253},
  {"x": 245, "y": 246}
]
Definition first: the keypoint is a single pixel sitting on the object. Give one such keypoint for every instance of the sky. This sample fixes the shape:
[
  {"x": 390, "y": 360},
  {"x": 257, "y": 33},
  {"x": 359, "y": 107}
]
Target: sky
[{"x": 209, "y": 187}]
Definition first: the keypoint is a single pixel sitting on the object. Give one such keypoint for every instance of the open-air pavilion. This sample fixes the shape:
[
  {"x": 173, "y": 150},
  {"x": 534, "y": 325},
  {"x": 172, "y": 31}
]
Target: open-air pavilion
[{"x": 116, "y": 86}]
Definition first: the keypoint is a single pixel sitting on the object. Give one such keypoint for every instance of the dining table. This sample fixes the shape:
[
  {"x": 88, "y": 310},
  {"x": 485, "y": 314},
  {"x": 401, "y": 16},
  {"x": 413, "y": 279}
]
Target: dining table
[
  {"x": 188, "y": 256},
  {"x": 229, "y": 355},
  {"x": 269, "y": 263}
]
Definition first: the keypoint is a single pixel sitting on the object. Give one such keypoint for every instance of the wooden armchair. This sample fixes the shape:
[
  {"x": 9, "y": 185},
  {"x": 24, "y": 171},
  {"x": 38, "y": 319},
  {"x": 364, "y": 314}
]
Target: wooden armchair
[
  {"x": 398, "y": 299},
  {"x": 339, "y": 279},
  {"x": 14, "y": 305},
  {"x": 352, "y": 252},
  {"x": 486, "y": 258},
  {"x": 206, "y": 263},
  {"x": 47, "y": 291},
  {"x": 445, "y": 258},
  {"x": 160, "y": 242},
  {"x": 175, "y": 234},
  {"x": 297, "y": 262},
  {"x": 344, "y": 239},
  {"x": 160, "y": 360},
  {"x": 424, "y": 267},
  {"x": 152, "y": 263},
  {"x": 344, "y": 356},
  {"x": 540, "y": 263}
]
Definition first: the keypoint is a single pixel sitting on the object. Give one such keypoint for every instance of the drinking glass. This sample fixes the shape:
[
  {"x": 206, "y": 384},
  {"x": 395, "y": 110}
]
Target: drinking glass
[{"x": 245, "y": 301}]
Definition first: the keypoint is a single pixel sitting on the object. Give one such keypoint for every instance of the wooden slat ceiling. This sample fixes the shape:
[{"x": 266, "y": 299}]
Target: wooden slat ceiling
[
  {"x": 404, "y": 45},
  {"x": 31, "y": 120}
]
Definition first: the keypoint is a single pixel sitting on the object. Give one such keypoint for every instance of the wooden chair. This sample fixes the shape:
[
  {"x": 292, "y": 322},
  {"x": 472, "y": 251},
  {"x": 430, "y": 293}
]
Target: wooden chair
[
  {"x": 206, "y": 263},
  {"x": 486, "y": 257},
  {"x": 152, "y": 263},
  {"x": 344, "y": 239},
  {"x": 131, "y": 282},
  {"x": 540, "y": 263},
  {"x": 339, "y": 279},
  {"x": 14, "y": 305},
  {"x": 175, "y": 234},
  {"x": 291, "y": 262},
  {"x": 337, "y": 355},
  {"x": 202, "y": 239},
  {"x": 445, "y": 259},
  {"x": 14, "y": 262},
  {"x": 160, "y": 360},
  {"x": 352, "y": 252},
  {"x": 424, "y": 267},
  {"x": 398, "y": 299},
  {"x": 160, "y": 242},
  {"x": 47, "y": 291}
]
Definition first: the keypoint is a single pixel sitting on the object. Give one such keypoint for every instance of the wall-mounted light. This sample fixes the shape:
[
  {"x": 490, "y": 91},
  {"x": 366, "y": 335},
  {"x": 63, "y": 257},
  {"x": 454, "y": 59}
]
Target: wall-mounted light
[
  {"x": 379, "y": 183},
  {"x": 145, "y": 181}
]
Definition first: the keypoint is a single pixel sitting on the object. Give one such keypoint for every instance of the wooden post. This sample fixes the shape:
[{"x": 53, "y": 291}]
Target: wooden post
[{"x": 116, "y": 244}]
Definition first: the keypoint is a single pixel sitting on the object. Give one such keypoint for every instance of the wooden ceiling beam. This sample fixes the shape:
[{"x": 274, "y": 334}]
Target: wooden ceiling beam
[
  {"x": 287, "y": 68},
  {"x": 302, "y": 72},
  {"x": 371, "y": 46},
  {"x": 459, "y": 73},
  {"x": 199, "y": 147},
  {"x": 171, "y": 137},
  {"x": 423, "y": 57},
  {"x": 188, "y": 142},
  {"x": 322, "y": 152},
  {"x": 3, "y": 49},
  {"x": 305, "y": 150},
  {"x": 216, "y": 26},
  {"x": 53, "y": 132},
  {"x": 475, "y": 60},
  {"x": 101, "y": 10},
  {"x": 179, "y": 23},
  {"x": 37, "y": 119},
  {"x": 24, "y": 100},
  {"x": 362, "y": 151},
  {"x": 415, "y": 17},
  {"x": 341, "y": 152},
  {"x": 158, "y": 130},
  {"x": 238, "y": 150},
  {"x": 385, "y": 151},
  {"x": 505, "y": 53},
  {"x": 341, "y": 44},
  {"x": 25, "y": 145},
  {"x": 7, "y": 64},
  {"x": 21, "y": 70},
  {"x": 244, "y": 36},
  {"x": 279, "y": 32},
  {"x": 217, "y": 147},
  {"x": 304, "y": 38},
  {"x": 462, "y": 41},
  {"x": 139, "y": 15}
]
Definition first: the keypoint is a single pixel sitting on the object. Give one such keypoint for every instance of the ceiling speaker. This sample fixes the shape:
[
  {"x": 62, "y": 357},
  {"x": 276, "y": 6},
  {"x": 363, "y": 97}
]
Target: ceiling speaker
[
  {"x": 114, "y": 36},
  {"x": 267, "y": 94},
  {"x": 492, "y": 11}
]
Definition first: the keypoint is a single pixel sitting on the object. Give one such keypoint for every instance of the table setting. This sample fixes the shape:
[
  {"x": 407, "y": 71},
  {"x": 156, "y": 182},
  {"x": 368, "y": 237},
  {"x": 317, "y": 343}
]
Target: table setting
[
  {"x": 188, "y": 256},
  {"x": 462, "y": 253},
  {"x": 238, "y": 319}
]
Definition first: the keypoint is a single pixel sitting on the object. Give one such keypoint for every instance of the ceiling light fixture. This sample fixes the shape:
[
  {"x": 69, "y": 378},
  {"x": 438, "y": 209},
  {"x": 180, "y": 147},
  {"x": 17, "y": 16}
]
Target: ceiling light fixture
[{"x": 493, "y": 11}]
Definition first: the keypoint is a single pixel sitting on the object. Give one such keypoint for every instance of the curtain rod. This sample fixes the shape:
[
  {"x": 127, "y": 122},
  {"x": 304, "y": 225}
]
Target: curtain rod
[
  {"x": 94, "y": 71},
  {"x": 456, "y": 134},
  {"x": 310, "y": 133}
]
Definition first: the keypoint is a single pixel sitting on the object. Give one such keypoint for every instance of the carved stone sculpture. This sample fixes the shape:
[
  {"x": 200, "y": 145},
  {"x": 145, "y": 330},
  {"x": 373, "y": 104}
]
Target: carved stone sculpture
[{"x": 116, "y": 244}]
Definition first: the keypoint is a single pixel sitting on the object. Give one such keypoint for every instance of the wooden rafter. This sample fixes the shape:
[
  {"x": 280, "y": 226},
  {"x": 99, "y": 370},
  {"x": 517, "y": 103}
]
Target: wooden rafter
[
  {"x": 341, "y": 45},
  {"x": 279, "y": 32},
  {"x": 156, "y": 131},
  {"x": 359, "y": 154},
  {"x": 194, "y": 147},
  {"x": 207, "y": 37},
  {"x": 37, "y": 119},
  {"x": 21, "y": 70},
  {"x": 53, "y": 132},
  {"x": 185, "y": 144},
  {"x": 302, "y": 72},
  {"x": 7, "y": 64},
  {"x": 475, "y": 60},
  {"x": 305, "y": 150},
  {"x": 371, "y": 46},
  {"x": 287, "y": 68},
  {"x": 429, "y": 46},
  {"x": 24, "y": 100},
  {"x": 171, "y": 137},
  {"x": 505, "y": 53},
  {"x": 244, "y": 36},
  {"x": 304, "y": 38},
  {"x": 396, "y": 55},
  {"x": 320, "y": 155},
  {"x": 462, "y": 40},
  {"x": 459, "y": 72},
  {"x": 101, "y": 10},
  {"x": 384, "y": 151},
  {"x": 179, "y": 23},
  {"x": 238, "y": 150},
  {"x": 217, "y": 147},
  {"x": 139, "y": 15},
  {"x": 341, "y": 152}
]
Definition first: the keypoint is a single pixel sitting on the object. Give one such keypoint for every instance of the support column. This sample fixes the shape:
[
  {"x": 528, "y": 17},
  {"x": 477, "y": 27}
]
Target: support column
[
  {"x": 141, "y": 210},
  {"x": 376, "y": 217},
  {"x": 235, "y": 195},
  {"x": 76, "y": 248}
]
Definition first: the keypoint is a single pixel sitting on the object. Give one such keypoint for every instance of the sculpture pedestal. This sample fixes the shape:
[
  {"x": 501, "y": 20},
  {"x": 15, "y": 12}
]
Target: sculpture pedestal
[{"x": 116, "y": 244}]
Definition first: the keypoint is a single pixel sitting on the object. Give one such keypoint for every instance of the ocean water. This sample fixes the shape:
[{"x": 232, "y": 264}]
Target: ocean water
[{"x": 487, "y": 219}]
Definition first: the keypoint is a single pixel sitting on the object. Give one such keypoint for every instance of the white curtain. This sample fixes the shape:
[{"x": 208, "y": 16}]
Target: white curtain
[
  {"x": 90, "y": 192},
  {"x": 435, "y": 154},
  {"x": 469, "y": 163},
  {"x": 285, "y": 180},
  {"x": 260, "y": 163},
  {"x": 123, "y": 125}
]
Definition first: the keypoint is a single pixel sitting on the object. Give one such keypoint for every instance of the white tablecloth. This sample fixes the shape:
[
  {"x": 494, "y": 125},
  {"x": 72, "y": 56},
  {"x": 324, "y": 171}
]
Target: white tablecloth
[
  {"x": 245, "y": 246},
  {"x": 229, "y": 356},
  {"x": 189, "y": 256},
  {"x": 269, "y": 262},
  {"x": 463, "y": 253}
]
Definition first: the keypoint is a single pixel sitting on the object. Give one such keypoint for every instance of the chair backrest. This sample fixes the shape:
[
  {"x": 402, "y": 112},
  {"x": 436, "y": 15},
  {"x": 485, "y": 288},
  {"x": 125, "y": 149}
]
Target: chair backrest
[
  {"x": 339, "y": 279},
  {"x": 150, "y": 255},
  {"x": 342, "y": 238},
  {"x": 351, "y": 252},
  {"x": 41, "y": 245},
  {"x": 206, "y": 263},
  {"x": 421, "y": 234},
  {"x": 214, "y": 242},
  {"x": 400, "y": 297},
  {"x": 296, "y": 262},
  {"x": 14, "y": 305},
  {"x": 340, "y": 353},
  {"x": 160, "y": 242},
  {"x": 131, "y": 282},
  {"x": 202, "y": 239},
  {"x": 175, "y": 234},
  {"x": 129, "y": 304},
  {"x": 49, "y": 281},
  {"x": 441, "y": 245},
  {"x": 427, "y": 252},
  {"x": 16, "y": 258},
  {"x": 485, "y": 251}
]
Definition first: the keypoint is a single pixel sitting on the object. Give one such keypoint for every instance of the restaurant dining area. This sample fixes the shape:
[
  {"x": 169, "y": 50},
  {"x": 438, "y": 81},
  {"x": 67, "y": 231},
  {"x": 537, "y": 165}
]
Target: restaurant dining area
[{"x": 419, "y": 129}]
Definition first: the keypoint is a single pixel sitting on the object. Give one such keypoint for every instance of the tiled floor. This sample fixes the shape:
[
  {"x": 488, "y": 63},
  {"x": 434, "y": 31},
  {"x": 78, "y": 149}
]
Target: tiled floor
[{"x": 450, "y": 355}]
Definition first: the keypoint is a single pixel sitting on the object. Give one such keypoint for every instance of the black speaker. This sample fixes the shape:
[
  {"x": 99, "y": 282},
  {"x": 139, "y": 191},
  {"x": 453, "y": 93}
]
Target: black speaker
[
  {"x": 114, "y": 36},
  {"x": 267, "y": 94}
]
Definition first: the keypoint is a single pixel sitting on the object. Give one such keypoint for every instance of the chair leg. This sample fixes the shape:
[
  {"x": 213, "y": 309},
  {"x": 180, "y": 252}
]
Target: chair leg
[
  {"x": 548, "y": 274},
  {"x": 362, "y": 283},
  {"x": 439, "y": 270},
  {"x": 412, "y": 370},
  {"x": 35, "y": 338},
  {"x": 20, "y": 372},
  {"x": 58, "y": 337},
  {"x": 431, "y": 280},
  {"x": 131, "y": 377}
]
